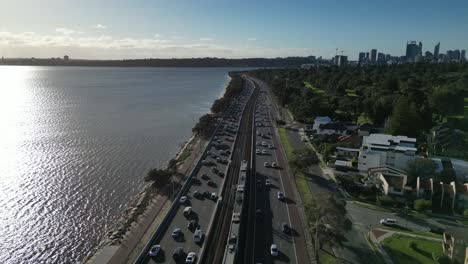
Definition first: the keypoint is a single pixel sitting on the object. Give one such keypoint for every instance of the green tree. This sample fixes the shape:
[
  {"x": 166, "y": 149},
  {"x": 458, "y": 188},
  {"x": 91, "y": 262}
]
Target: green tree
[
  {"x": 447, "y": 100},
  {"x": 205, "y": 126},
  {"x": 302, "y": 159},
  {"x": 421, "y": 167},
  {"x": 405, "y": 119},
  {"x": 465, "y": 213},
  {"x": 159, "y": 177},
  {"x": 422, "y": 205},
  {"x": 327, "y": 220}
]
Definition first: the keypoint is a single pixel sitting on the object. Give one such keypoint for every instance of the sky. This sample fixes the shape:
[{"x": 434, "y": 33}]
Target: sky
[{"x": 125, "y": 29}]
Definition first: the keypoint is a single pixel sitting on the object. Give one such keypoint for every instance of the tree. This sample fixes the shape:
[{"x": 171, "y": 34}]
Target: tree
[
  {"x": 405, "y": 119},
  {"x": 447, "y": 100},
  {"x": 205, "y": 125},
  {"x": 422, "y": 205},
  {"x": 302, "y": 159},
  {"x": 465, "y": 213},
  {"x": 159, "y": 177},
  {"x": 327, "y": 220},
  {"x": 421, "y": 167}
]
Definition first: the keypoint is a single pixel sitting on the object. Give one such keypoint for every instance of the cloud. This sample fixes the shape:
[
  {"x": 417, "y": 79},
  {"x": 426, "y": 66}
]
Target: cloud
[
  {"x": 206, "y": 39},
  {"x": 104, "y": 46},
  {"x": 100, "y": 26},
  {"x": 251, "y": 39},
  {"x": 157, "y": 36},
  {"x": 67, "y": 31}
]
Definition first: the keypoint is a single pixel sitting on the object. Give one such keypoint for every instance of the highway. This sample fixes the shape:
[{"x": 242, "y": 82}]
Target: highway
[{"x": 203, "y": 207}]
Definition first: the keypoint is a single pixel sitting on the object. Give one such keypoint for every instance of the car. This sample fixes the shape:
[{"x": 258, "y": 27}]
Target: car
[
  {"x": 269, "y": 133},
  {"x": 211, "y": 183},
  {"x": 221, "y": 174},
  {"x": 213, "y": 156},
  {"x": 388, "y": 222},
  {"x": 263, "y": 152},
  {"x": 218, "y": 159},
  {"x": 198, "y": 236},
  {"x": 154, "y": 251},
  {"x": 257, "y": 151},
  {"x": 285, "y": 228},
  {"x": 196, "y": 194},
  {"x": 257, "y": 144},
  {"x": 196, "y": 181},
  {"x": 267, "y": 182},
  {"x": 206, "y": 194},
  {"x": 274, "y": 165},
  {"x": 203, "y": 162},
  {"x": 274, "y": 250},
  {"x": 192, "y": 225},
  {"x": 258, "y": 133},
  {"x": 205, "y": 177},
  {"x": 178, "y": 253},
  {"x": 187, "y": 211},
  {"x": 280, "y": 196},
  {"x": 183, "y": 199},
  {"x": 259, "y": 214},
  {"x": 271, "y": 146},
  {"x": 264, "y": 143},
  {"x": 191, "y": 257},
  {"x": 215, "y": 170},
  {"x": 176, "y": 233},
  {"x": 213, "y": 196},
  {"x": 266, "y": 164},
  {"x": 208, "y": 152}
]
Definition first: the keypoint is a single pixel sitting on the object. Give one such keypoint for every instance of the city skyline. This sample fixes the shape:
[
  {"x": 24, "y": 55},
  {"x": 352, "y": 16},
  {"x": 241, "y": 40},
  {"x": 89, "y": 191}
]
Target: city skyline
[{"x": 157, "y": 29}]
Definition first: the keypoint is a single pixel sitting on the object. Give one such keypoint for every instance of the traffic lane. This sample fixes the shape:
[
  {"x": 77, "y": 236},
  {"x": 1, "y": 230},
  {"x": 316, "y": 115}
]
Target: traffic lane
[
  {"x": 264, "y": 225},
  {"x": 278, "y": 208},
  {"x": 202, "y": 208}
]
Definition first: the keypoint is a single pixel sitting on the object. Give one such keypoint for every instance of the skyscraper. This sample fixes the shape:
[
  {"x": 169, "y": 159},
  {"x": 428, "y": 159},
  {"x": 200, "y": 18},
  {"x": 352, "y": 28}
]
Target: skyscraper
[
  {"x": 380, "y": 58},
  {"x": 463, "y": 55},
  {"x": 436, "y": 51},
  {"x": 367, "y": 57},
  {"x": 412, "y": 50},
  {"x": 420, "y": 48},
  {"x": 373, "y": 55},
  {"x": 362, "y": 57}
]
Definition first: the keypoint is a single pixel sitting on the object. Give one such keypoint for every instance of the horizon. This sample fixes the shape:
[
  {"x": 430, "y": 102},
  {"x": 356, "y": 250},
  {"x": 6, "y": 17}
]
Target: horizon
[{"x": 264, "y": 29}]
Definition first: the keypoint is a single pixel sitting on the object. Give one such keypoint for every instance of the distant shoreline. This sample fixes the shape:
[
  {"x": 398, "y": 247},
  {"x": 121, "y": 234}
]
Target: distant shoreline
[{"x": 189, "y": 62}]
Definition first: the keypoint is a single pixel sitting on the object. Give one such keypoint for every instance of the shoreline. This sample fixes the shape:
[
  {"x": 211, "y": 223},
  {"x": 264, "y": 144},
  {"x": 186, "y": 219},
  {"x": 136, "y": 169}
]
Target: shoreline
[{"x": 136, "y": 211}]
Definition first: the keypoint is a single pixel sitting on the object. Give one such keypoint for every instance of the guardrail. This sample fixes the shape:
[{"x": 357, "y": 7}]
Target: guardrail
[{"x": 174, "y": 206}]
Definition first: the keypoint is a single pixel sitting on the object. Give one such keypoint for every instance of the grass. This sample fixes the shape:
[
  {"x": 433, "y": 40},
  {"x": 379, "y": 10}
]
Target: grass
[
  {"x": 286, "y": 145},
  {"x": 364, "y": 119},
  {"x": 374, "y": 248},
  {"x": 463, "y": 222},
  {"x": 373, "y": 207},
  {"x": 326, "y": 256},
  {"x": 413, "y": 232},
  {"x": 351, "y": 92},
  {"x": 314, "y": 89},
  {"x": 398, "y": 248}
]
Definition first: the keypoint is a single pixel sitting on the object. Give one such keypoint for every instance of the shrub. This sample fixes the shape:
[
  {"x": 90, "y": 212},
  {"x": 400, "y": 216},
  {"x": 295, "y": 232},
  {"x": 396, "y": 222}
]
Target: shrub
[
  {"x": 386, "y": 200},
  {"x": 422, "y": 205},
  {"x": 465, "y": 213},
  {"x": 412, "y": 245},
  {"x": 444, "y": 260},
  {"x": 436, "y": 255}
]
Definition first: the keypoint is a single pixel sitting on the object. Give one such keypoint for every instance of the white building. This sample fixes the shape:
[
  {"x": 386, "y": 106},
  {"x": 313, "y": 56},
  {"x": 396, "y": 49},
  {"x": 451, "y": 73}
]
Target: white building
[
  {"x": 379, "y": 150},
  {"x": 320, "y": 120}
]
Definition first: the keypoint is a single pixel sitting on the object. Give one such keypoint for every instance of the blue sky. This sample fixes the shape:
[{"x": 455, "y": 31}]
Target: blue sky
[{"x": 119, "y": 29}]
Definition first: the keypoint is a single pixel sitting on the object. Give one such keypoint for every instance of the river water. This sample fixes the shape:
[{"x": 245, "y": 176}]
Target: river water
[{"x": 75, "y": 143}]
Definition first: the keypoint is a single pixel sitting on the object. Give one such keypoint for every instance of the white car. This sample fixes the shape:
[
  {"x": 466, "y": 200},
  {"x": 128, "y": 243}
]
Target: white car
[
  {"x": 197, "y": 236},
  {"x": 280, "y": 195},
  {"x": 213, "y": 196},
  {"x": 274, "y": 165},
  {"x": 191, "y": 257},
  {"x": 266, "y": 164},
  {"x": 263, "y": 152},
  {"x": 388, "y": 222},
  {"x": 154, "y": 251},
  {"x": 257, "y": 151},
  {"x": 274, "y": 250},
  {"x": 264, "y": 143},
  {"x": 270, "y": 146},
  {"x": 268, "y": 182},
  {"x": 183, "y": 199},
  {"x": 257, "y": 143}
]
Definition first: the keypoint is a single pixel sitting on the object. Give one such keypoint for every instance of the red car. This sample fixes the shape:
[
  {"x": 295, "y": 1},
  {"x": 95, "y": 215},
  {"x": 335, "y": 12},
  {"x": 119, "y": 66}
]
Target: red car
[{"x": 211, "y": 183}]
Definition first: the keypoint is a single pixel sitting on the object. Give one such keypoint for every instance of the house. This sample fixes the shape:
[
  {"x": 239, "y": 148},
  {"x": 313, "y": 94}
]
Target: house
[
  {"x": 390, "y": 180},
  {"x": 462, "y": 195},
  {"x": 379, "y": 150},
  {"x": 424, "y": 188},
  {"x": 320, "y": 120},
  {"x": 346, "y": 153},
  {"x": 447, "y": 196},
  {"x": 364, "y": 129}
]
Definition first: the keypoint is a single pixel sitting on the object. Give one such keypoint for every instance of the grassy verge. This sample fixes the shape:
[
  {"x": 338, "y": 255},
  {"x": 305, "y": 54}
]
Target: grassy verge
[
  {"x": 413, "y": 232},
  {"x": 373, "y": 207},
  {"x": 286, "y": 145},
  {"x": 463, "y": 222},
  {"x": 314, "y": 89},
  {"x": 326, "y": 256},
  {"x": 376, "y": 251},
  {"x": 399, "y": 249}
]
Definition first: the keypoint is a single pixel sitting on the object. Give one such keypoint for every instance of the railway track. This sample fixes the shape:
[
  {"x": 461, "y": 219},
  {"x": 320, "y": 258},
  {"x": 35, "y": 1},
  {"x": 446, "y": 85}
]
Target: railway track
[{"x": 216, "y": 244}]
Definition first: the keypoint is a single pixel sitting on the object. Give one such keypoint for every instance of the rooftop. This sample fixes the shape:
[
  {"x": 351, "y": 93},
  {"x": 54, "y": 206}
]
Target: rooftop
[{"x": 384, "y": 141}]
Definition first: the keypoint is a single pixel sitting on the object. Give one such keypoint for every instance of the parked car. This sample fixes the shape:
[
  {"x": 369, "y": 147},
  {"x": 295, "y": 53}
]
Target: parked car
[
  {"x": 206, "y": 194},
  {"x": 183, "y": 199},
  {"x": 274, "y": 165},
  {"x": 154, "y": 251},
  {"x": 191, "y": 257},
  {"x": 285, "y": 228},
  {"x": 211, "y": 183},
  {"x": 388, "y": 221},
  {"x": 270, "y": 146},
  {"x": 176, "y": 233},
  {"x": 187, "y": 211},
  {"x": 178, "y": 253},
  {"x": 266, "y": 164},
  {"x": 259, "y": 214},
  {"x": 192, "y": 225},
  {"x": 215, "y": 170},
  {"x": 263, "y": 152},
  {"x": 205, "y": 177},
  {"x": 213, "y": 196},
  {"x": 196, "y": 194},
  {"x": 264, "y": 144},
  {"x": 198, "y": 236},
  {"x": 274, "y": 250},
  {"x": 267, "y": 182},
  {"x": 221, "y": 174},
  {"x": 257, "y": 151},
  {"x": 280, "y": 196}
]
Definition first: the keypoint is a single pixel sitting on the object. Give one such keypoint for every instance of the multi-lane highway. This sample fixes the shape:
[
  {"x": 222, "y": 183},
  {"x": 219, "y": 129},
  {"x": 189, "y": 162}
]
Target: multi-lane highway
[{"x": 204, "y": 192}]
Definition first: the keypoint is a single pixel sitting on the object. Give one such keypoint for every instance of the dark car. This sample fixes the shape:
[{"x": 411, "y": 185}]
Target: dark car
[
  {"x": 221, "y": 174},
  {"x": 215, "y": 170},
  {"x": 178, "y": 254},
  {"x": 285, "y": 228},
  {"x": 211, "y": 183},
  {"x": 196, "y": 181},
  {"x": 192, "y": 225},
  {"x": 205, "y": 177},
  {"x": 259, "y": 214},
  {"x": 196, "y": 194}
]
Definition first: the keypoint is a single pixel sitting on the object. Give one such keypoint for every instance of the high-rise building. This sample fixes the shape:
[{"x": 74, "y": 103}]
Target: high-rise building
[
  {"x": 436, "y": 51},
  {"x": 367, "y": 57},
  {"x": 412, "y": 50},
  {"x": 420, "y": 48},
  {"x": 380, "y": 58},
  {"x": 362, "y": 57},
  {"x": 463, "y": 55},
  {"x": 341, "y": 60},
  {"x": 428, "y": 55},
  {"x": 373, "y": 55}
]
